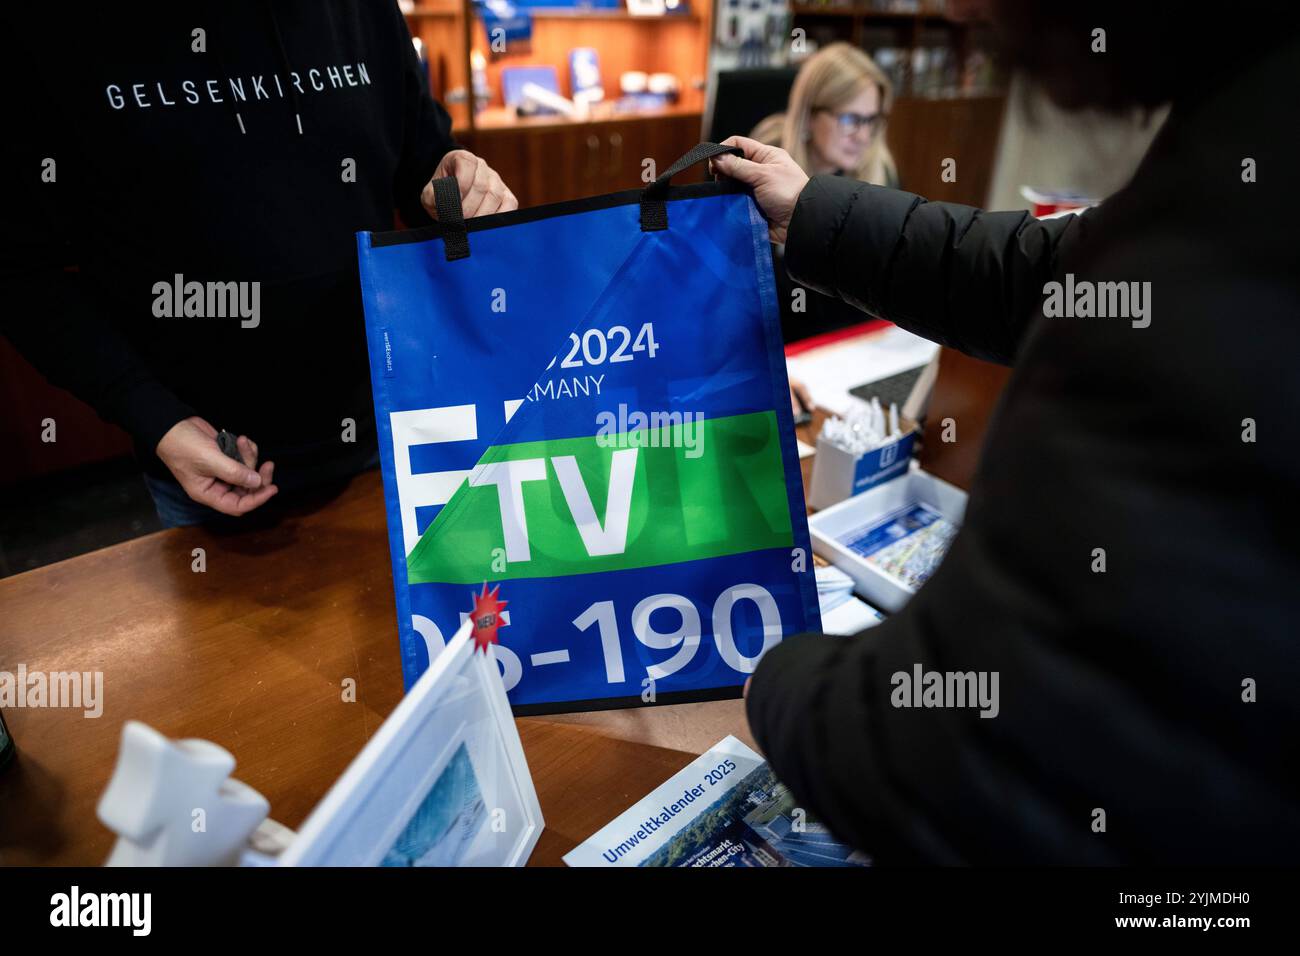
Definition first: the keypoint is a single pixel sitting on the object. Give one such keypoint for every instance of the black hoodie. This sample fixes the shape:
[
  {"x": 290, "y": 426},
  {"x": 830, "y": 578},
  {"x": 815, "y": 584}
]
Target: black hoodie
[{"x": 214, "y": 142}]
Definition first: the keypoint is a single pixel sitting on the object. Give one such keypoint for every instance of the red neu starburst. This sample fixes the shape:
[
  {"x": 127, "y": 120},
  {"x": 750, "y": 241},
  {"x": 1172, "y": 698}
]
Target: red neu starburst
[{"x": 487, "y": 617}]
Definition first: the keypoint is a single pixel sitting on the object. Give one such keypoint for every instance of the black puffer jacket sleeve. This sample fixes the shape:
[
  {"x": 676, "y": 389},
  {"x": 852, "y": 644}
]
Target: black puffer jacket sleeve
[{"x": 956, "y": 275}]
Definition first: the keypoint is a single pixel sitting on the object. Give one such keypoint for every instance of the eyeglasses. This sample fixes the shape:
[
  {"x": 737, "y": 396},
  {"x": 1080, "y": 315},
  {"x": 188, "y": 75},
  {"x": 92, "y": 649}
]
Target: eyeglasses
[{"x": 850, "y": 123}]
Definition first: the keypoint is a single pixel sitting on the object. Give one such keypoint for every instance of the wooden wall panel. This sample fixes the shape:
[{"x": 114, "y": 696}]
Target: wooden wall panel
[
  {"x": 923, "y": 132},
  {"x": 967, "y": 391},
  {"x": 556, "y": 161}
]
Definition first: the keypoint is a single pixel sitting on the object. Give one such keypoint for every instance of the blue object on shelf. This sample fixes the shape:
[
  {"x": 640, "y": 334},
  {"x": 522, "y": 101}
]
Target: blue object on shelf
[
  {"x": 516, "y": 26},
  {"x": 584, "y": 71},
  {"x": 513, "y": 79}
]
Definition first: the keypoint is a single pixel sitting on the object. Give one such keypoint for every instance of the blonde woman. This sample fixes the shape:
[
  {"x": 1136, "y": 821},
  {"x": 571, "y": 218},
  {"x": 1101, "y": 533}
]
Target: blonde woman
[
  {"x": 834, "y": 124},
  {"x": 835, "y": 120}
]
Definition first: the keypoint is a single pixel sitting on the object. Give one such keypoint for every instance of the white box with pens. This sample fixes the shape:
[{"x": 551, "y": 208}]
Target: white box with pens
[
  {"x": 890, "y": 538},
  {"x": 858, "y": 452}
]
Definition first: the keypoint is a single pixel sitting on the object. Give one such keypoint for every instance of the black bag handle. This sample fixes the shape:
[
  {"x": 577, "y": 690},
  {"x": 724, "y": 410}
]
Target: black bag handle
[
  {"x": 654, "y": 205},
  {"x": 451, "y": 218}
]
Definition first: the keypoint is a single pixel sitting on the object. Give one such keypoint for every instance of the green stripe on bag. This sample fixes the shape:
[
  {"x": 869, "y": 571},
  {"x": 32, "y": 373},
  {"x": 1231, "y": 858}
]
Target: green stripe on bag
[{"x": 656, "y": 496}]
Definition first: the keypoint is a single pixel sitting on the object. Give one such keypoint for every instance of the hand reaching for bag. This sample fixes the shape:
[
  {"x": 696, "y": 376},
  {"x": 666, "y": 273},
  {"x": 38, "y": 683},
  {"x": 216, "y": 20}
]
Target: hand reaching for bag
[
  {"x": 775, "y": 178},
  {"x": 481, "y": 190},
  {"x": 190, "y": 451}
]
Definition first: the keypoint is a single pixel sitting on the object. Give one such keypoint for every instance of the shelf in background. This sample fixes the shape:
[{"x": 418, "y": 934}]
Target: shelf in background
[
  {"x": 441, "y": 9},
  {"x": 573, "y": 13},
  {"x": 870, "y": 13},
  {"x": 570, "y": 13},
  {"x": 676, "y": 43},
  {"x": 500, "y": 118}
]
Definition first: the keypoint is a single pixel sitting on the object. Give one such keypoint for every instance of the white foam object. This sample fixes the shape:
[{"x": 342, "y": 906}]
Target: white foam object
[
  {"x": 541, "y": 96},
  {"x": 173, "y": 803}
]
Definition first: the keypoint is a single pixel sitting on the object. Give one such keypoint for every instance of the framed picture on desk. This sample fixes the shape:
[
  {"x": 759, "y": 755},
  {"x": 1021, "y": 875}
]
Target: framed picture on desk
[{"x": 443, "y": 782}]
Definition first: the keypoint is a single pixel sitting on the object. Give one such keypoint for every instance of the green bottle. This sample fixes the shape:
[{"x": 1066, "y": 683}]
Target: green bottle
[{"x": 6, "y": 744}]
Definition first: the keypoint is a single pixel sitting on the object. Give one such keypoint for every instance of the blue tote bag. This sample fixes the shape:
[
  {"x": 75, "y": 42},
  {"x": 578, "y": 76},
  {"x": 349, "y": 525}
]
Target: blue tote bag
[{"x": 587, "y": 442}]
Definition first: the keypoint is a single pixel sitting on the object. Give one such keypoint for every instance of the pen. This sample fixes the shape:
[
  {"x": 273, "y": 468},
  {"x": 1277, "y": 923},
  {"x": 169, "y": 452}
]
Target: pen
[
  {"x": 229, "y": 445},
  {"x": 805, "y": 413}
]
